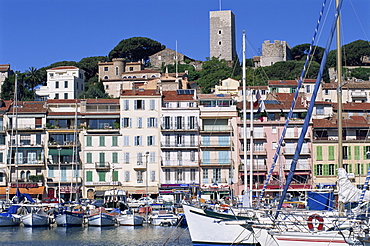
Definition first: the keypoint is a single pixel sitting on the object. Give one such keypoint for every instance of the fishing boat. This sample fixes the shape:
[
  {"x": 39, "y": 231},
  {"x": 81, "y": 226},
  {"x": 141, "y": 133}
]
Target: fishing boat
[
  {"x": 35, "y": 216},
  {"x": 10, "y": 217},
  {"x": 128, "y": 218},
  {"x": 100, "y": 217},
  {"x": 71, "y": 215}
]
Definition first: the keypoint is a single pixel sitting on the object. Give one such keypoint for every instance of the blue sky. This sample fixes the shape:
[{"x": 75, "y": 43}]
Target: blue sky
[{"x": 40, "y": 32}]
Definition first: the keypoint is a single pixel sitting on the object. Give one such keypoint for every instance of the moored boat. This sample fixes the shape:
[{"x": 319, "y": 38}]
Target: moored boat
[
  {"x": 69, "y": 218},
  {"x": 130, "y": 219},
  {"x": 36, "y": 216},
  {"x": 10, "y": 218}
]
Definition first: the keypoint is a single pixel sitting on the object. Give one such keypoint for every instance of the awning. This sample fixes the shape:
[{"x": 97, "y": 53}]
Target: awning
[
  {"x": 62, "y": 152},
  {"x": 31, "y": 191}
]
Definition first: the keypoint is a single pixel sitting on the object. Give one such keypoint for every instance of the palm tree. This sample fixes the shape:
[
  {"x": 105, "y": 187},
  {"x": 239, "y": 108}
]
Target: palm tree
[{"x": 33, "y": 78}]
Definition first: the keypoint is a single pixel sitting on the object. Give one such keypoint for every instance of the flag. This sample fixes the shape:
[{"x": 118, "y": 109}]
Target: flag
[
  {"x": 258, "y": 97},
  {"x": 261, "y": 107}
]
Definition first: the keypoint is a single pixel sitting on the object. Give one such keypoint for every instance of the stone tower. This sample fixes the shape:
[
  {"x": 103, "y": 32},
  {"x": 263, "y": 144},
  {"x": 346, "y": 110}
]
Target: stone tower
[
  {"x": 222, "y": 35},
  {"x": 274, "y": 52}
]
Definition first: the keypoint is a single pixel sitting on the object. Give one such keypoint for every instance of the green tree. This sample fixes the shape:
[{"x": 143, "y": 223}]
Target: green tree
[
  {"x": 90, "y": 65},
  {"x": 214, "y": 70},
  {"x": 181, "y": 68},
  {"x": 24, "y": 92},
  {"x": 299, "y": 52},
  {"x": 352, "y": 54},
  {"x": 95, "y": 90},
  {"x": 358, "y": 73},
  {"x": 136, "y": 48},
  {"x": 33, "y": 78}
]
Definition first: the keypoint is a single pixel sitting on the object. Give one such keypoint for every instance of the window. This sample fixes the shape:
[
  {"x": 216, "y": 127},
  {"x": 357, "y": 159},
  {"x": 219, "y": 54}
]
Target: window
[
  {"x": 101, "y": 141},
  {"x": 138, "y": 141},
  {"x": 151, "y": 140},
  {"x": 126, "y": 122},
  {"x": 152, "y": 157},
  {"x": 126, "y": 157},
  {"x": 191, "y": 122},
  {"x": 115, "y": 176},
  {"x": 114, "y": 141},
  {"x": 167, "y": 175},
  {"x": 192, "y": 175},
  {"x": 152, "y": 122},
  {"x": 126, "y": 104},
  {"x": 107, "y": 87},
  {"x": 152, "y": 105},
  {"x": 366, "y": 152},
  {"x": 51, "y": 172},
  {"x": 88, "y": 141},
  {"x": 102, "y": 159},
  {"x": 131, "y": 68},
  {"x": 166, "y": 122},
  {"x": 179, "y": 122},
  {"x": 65, "y": 95},
  {"x": 139, "y": 178},
  {"x": 105, "y": 68},
  {"x": 308, "y": 88},
  {"x": 217, "y": 175},
  {"x": 179, "y": 175},
  {"x": 56, "y": 96},
  {"x": 319, "y": 170},
  {"x": 320, "y": 110},
  {"x": 101, "y": 176},
  {"x": 326, "y": 92},
  {"x": 88, "y": 157},
  {"x": 179, "y": 139},
  {"x": 127, "y": 176},
  {"x": 56, "y": 84},
  {"x": 139, "y": 104},
  {"x": 179, "y": 157},
  {"x": 139, "y": 158},
  {"x": 319, "y": 153},
  {"x": 152, "y": 176},
  {"x": 89, "y": 176},
  {"x": 116, "y": 70},
  {"x": 346, "y": 152},
  {"x": 192, "y": 155},
  {"x": 332, "y": 169},
  {"x": 126, "y": 140},
  {"x": 65, "y": 84},
  {"x": 205, "y": 175},
  {"x": 114, "y": 157},
  {"x": 139, "y": 122},
  {"x": 331, "y": 153},
  {"x": 219, "y": 42},
  {"x": 219, "y": 32}
]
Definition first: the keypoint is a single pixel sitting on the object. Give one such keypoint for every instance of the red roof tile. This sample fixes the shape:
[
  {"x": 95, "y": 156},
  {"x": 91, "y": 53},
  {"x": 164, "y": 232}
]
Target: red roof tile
[
  {"x": 173, "y": 96},
  {"x": 140, "y": 92}
]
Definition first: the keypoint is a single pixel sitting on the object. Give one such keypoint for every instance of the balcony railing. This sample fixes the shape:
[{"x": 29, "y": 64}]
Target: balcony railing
[
  {"x": 181, "y": 127},
  {"x": 216, "y": 128},
  {"x": 217, "y": 162},
  {"x": 216, "y": 143},
  {"x": 102, "y": 165},
  {"x": 178, "y": 163},
  {"x": 178, "y": 145},
  {"x": 361, "y": 94}
]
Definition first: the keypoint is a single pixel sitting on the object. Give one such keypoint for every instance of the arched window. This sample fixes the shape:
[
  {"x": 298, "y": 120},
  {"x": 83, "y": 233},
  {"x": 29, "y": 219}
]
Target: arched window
[
  {"x": 134, "y": 77},
  {"x": 153, "y": 75},
  {"x": 23, "y": 176},
  {"x": 124, "y": 77},
  {"x": 105, "y": 77},
  {"x": 144, "y": 76},
  {"x": 28, "y": 175},
  {"x": 129, "y": 77}
]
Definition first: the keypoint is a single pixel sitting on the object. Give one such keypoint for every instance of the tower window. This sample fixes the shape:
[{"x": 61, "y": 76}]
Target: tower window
[
  {"x": 219, "y": 42},
  {"x": 219, "y": 31}
]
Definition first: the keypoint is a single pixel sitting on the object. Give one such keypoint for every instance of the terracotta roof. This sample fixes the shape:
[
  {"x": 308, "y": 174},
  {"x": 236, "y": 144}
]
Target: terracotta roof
[
  {"x": 354, "y": 121},
  {"x": 214, "y": 96},
  {"x": 140, "y": 93},
  {"x": 4, "y": 67},
  {"x": 69, "y": 101},
  {"x": 352, "y": 106},
  {"x": 102, "y": 101},
  {"x": 347, "y": 85},
  {"x": 63, "y": 113},
  {"x": 30, "y": 107},
  {"x": 173, "y": 96},
  {"x": 63, "y": 67},
  {"x": 289, "y": 82}
]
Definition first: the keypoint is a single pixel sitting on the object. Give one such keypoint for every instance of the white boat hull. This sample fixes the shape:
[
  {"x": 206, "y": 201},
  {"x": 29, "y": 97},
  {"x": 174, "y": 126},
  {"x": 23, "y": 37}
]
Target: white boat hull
[
  {"x": 69, "y": 219},
  {"x": 130, "y": 220},
  {"x": 101, "y": 219},
  {"x": 164, "y": 220},
  {"x": 33, "y": 219},
  {"x": 208, "y": 230}
]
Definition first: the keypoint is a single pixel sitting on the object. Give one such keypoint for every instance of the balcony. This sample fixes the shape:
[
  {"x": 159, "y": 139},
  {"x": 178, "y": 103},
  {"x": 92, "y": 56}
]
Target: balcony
[
  {"x": 359, "y": 94},
  {"x": 300, "y": 165},
  {"x": 181, "y": 127},
  {"x": 219, "y": 163},
  {"x": 256, "y": 167},
  {"x": 179, "y": 163},
  {"x": 256, "y": 151},
  {"x": 26, "y": 162},
  {"x": 216, "y": 128},
  {"x": 291, "y": 151},
  {"x": 172, "y": 145},
  {"x": 215, "y": 143},
  {"x": 102, "y": 165}
]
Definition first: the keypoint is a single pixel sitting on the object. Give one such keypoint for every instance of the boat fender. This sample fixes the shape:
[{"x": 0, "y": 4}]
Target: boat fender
[{"x": 317, "y": 217}]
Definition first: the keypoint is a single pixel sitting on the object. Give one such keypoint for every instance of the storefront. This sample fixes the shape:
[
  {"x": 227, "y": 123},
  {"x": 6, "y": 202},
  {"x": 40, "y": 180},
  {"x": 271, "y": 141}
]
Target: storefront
[
  {"x": 215, "y": 191},
  {"x": 33, "y": 189},
  {"x": 180, "y": 191}
]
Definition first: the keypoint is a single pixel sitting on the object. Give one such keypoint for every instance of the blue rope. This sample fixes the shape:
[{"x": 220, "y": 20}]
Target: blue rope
[{"x": 292, "y": 106}]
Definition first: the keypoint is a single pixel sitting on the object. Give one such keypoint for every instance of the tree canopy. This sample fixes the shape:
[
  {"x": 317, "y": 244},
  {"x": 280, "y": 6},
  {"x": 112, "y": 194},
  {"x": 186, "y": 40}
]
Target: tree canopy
[
  {"x": 299, "y": 52},
  {"x": 352, "y": 54},
  {"x": 136, "y": 48},
  {"x": 181, "y": 68}
]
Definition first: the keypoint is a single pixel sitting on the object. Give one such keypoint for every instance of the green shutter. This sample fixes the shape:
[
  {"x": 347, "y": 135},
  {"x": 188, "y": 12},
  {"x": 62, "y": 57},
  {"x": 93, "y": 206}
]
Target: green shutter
[
  {"x": 362, "y": 169},
  {"x": 315, "y": 170},
  {"x": 331, "y": 153},
  {"x": 88, "y": 157},
  {"x": 325, "y": 169},
  {"x": 349, "y": 153},
  {"x": 89, "y": 176},
  {"x": 88, "y": 141},
  {"x": 101, "y": 141},
  {"x": 101, "y": 176},
  {"x": 350, "y": 168},
  {"x": 364, "y": 152},
  {"x": 357, "y": 152},
  {"x": 114, "y": 141},
  {"x": 102, "y": 157},
  {"x": 115, "y": 157},
  {"x": 115, "y": 175},
  {"x": 356, "y": 167},
  {"x": 319, "y": 153},
  {"x": 336, "y": 169}
]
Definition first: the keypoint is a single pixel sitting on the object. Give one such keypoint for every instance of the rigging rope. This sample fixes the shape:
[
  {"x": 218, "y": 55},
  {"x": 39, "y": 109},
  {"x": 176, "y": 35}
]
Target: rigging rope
[{"x": 300, "y": 81}]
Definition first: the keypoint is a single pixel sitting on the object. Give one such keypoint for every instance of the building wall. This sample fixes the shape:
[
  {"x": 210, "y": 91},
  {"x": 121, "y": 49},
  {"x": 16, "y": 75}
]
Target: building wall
[
  {"x": 222, "y": 35},
  {"x": 274, "y": 52}
]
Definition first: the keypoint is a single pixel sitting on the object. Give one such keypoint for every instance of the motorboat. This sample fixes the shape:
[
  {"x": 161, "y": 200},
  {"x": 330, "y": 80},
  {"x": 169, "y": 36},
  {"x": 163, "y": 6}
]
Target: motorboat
[
  {"x": 130, "y": 219},
  {"x": 163, "y": 218}
]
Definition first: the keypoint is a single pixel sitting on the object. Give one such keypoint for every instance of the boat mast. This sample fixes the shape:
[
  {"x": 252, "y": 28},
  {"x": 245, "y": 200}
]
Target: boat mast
[
  {"x": 16, "y": 128},
  {"x": 339, "y": 96}
]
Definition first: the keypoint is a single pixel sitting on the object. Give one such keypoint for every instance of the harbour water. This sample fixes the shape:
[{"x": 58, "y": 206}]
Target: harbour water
[{"x": 81, "y": 236}]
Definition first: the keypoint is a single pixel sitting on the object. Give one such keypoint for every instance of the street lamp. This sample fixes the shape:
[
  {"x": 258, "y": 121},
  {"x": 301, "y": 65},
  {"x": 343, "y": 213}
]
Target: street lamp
[
  {"x": 60, "y": 173},
  {"x": 146, "y": 186}
]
